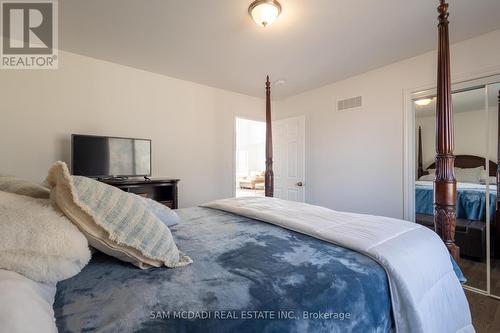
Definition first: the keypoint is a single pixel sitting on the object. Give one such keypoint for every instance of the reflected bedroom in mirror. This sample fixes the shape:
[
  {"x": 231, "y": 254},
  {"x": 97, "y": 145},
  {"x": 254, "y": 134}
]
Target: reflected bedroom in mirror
[{"x": 475, "y": 110}]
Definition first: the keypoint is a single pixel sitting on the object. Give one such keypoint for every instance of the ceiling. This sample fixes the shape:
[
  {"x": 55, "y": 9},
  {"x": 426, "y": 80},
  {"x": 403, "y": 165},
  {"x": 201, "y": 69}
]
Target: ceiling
[{"x": 312, "y": 43}]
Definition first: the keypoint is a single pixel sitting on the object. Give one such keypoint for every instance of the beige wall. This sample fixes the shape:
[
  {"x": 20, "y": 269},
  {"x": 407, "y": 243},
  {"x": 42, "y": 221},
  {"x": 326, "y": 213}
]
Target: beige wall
[
  {"x": 354, "y": 160},
  {"x": 191, "y": 125}
]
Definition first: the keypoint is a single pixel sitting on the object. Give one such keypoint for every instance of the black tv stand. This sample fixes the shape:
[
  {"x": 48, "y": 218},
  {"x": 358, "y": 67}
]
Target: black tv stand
[
  {"x": 162, "y": 190},
  {"x": 112, "y": 178}
]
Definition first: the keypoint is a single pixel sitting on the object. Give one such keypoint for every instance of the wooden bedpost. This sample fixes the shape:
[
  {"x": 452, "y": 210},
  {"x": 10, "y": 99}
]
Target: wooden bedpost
[
  {"x": 269, "y": 175},
  {"x": 445, "y": 185},
  {"x": 420, "y": 171},
  {"x": 497, "y": 212}
]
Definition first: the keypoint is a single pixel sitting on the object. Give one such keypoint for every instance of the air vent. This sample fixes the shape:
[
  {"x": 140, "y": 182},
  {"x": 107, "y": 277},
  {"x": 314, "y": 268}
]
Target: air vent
[{"x": 350, "y": 103}]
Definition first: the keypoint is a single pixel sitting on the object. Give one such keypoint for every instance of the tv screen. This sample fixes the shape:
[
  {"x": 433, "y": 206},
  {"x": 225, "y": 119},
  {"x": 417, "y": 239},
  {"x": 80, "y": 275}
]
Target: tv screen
[{"x": 102, "y": 156}]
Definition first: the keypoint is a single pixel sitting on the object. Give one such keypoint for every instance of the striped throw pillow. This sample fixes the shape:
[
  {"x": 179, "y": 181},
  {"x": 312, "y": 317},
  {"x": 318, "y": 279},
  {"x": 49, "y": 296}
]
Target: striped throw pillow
[{"x": 115, "y": 222}]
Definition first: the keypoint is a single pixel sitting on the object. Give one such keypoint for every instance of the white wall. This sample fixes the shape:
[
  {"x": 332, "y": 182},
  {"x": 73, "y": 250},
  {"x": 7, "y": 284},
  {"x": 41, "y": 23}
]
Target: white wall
[
  {"x": 470, "y": 134},
  {"x": 191, "y": 125},
  {"x": 354, "y": 160}
]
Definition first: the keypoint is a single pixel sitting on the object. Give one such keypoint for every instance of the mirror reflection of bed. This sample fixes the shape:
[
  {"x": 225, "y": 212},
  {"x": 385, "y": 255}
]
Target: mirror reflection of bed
[{"x": 476, "y": 152}]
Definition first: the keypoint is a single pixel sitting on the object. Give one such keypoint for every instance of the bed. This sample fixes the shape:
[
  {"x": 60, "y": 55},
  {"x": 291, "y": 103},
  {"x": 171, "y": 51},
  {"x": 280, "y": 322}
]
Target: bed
[
  {"x": 239, "y": 265},
  {"x": 471, "y": 204},
  {"x": 471, "y": 200},
  {"x": 471, "y": 210}
]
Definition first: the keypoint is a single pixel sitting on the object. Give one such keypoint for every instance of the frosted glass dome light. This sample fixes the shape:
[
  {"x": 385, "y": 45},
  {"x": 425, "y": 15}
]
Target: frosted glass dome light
[{"x": 264, "y": 12}]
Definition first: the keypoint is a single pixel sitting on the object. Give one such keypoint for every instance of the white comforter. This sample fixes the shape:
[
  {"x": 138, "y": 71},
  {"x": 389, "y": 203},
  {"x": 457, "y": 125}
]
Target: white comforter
[
  {"x": 25, "y": 305},
  {"x": 460, "y": 186},
  {"x": 426, "y": 294}
]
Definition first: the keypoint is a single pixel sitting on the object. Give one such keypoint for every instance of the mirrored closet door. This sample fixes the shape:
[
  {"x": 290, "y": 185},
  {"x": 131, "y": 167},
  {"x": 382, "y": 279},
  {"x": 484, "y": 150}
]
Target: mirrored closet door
[{"x": 475, "y": 107}]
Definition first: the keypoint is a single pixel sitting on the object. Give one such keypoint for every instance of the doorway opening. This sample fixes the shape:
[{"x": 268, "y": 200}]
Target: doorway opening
[{"x": 250, "y": 157}]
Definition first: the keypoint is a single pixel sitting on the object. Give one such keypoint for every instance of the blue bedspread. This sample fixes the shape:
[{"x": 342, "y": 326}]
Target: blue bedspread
[
  {"x": 471, "y": 201},
  {"x": 242, "y": 270}
]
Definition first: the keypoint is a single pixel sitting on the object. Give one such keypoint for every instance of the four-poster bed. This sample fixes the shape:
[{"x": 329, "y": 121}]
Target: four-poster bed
[
  {"x": 269, "y": 174},
  {"x": 444, "y": 183},
  {"x": 497, "y": 203},
  {"x": 472, "y": 206}
]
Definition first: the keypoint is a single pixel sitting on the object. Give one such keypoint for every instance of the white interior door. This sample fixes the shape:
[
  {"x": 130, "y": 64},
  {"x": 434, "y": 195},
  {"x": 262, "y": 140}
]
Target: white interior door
[{"x": 289, "y": 158}]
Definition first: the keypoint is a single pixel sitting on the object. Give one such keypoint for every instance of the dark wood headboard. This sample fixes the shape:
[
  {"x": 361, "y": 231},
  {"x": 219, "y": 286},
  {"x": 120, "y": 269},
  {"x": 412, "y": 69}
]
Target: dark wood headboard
[
  {"x": 461, "y": 161},
  {"x": 470, "y": 161}
]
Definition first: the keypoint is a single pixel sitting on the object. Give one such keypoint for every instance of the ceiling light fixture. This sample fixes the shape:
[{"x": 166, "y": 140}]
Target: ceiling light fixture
[
  {"x": 423, "y": 101},
  {"x": 264, "y": 12}
]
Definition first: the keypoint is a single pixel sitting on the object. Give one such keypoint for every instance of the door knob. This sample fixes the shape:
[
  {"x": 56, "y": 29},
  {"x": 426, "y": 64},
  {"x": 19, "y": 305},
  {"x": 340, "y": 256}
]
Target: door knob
[{"x": 299, "y": 184}]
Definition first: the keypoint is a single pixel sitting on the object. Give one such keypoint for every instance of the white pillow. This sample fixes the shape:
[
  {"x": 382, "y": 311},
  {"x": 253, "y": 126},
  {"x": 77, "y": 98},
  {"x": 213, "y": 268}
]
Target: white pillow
[
  {"x": 491, "y": 180},
  {"x": 26, "y": 305},
  {"x": 484, "y": 176},
  {"x": 21, "y": 186},
  {"x": 469, "y": 175},
  {"x": 429, "y": 177},
  {"x": 37, "y": 241}
]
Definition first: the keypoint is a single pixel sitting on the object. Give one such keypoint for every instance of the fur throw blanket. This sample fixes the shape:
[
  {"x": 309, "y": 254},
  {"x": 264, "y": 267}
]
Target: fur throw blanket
[{"x": 39, "y": 242}]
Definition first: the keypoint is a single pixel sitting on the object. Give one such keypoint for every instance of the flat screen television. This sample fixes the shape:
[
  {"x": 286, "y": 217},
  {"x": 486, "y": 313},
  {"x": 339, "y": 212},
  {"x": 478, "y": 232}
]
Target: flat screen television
[{"x": 105, "y": 156}]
